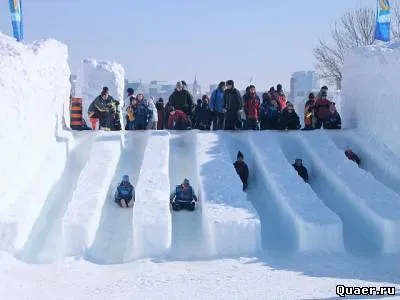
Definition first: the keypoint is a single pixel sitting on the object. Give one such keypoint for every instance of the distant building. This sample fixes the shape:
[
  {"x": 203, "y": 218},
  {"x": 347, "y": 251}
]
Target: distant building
[{"x": 302, "y": 83}]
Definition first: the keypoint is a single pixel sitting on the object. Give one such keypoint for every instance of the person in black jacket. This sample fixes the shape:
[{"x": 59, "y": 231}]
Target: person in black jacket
[
  {"x": 233, "y": 103},
  {"x": 204, "y": 116},
  {"x": 181, "y": 99},
  {"x": 242, "y": 170},
  {"x": 289, "y": 118},
  {"x": 333, "y": 121},
  {"x": 301, "y": 170}
]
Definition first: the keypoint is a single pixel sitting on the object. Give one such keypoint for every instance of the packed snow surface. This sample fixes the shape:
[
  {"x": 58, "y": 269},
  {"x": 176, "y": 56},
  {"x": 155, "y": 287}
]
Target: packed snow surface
[{"x": 96, "y": 74}]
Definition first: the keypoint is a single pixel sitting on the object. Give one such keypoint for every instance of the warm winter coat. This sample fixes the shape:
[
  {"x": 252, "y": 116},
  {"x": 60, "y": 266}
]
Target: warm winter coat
[
  {"x": 309, "y": 113},
  {"x": 160, "y": 115},
  {"x": 217, "y": 100},
  {"x": 322, "y": 108},
  {"x": 233, "y": 101},
  {"x": 352, "y": 156},
  {"x": 125, "y": 191},
  {"x": 143, "y": 115},
  {"x": 242, "y": 170},
  {"x": 203, "y": 116},
  {"x": 182, "y": 100},
  {"x": 93, "y": 112},
  {"x": 177, "y": 116},
  {"x": 289, "y": 121},
  {"x": 251, "y": 106},
  {"x": 333, "y": 121},
  {"x": 302, "y": 171},
  {"x": 183, "y": 194}
]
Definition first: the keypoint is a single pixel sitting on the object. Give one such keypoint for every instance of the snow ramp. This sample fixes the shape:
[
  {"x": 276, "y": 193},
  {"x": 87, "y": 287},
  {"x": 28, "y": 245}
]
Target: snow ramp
[
  {"x": 377, "y": 160},
  {"x": 233, "y": 222},
  {"x": 369, "y": 211},
  {"x": 296, "y": 219},
  {"x": 113, "y": 243},
  {"x": 151, "y": 216},
  {"x": 189, "y": 232},
  {"x": 45, "y": 238},
  {"x": 83, "y": 213}
]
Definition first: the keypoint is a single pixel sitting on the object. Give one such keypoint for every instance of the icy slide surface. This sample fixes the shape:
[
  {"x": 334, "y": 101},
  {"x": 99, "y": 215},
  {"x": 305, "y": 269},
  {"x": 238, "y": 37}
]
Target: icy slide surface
[{"x": 74, "y": 214}]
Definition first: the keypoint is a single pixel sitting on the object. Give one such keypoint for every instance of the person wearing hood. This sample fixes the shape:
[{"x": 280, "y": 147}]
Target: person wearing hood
[
  {"x": 251, "y": 108},
  {"x": 125, "y": 193},
  {"x": 217, "y": 105},
  {"x": 204, "y": 116},
  {"x": 143, "y": 114},
  {"x": 352, "y": 156},
  {"x": 233, "y": 105},
  {"x": 300, "y": 169},
  {"x": 269, "y": 114},
  {"x": 160, "y": 113},
  {"x": 242, "y": 169},
  {"x": 183, "y": 197},
  {"x": 289, "y": 119},
  {"x": 309, "y": 113},
  {"x": 181, "y": 99},
  {"x": 333, "y": 121},
  {"x": 154, "y": 117}
]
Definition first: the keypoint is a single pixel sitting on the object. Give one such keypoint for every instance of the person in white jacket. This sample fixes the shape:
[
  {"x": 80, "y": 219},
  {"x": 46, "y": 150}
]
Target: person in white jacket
[{"x": 154, "y": 119}]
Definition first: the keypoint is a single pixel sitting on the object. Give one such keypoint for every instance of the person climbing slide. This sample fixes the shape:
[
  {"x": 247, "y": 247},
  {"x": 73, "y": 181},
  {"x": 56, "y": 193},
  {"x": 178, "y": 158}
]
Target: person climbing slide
[
  {"x": 242, "y": 170},
  {"x": 183, "y": 197},
  {"x": 301, "y": 170},
  {"x": 125, "y": 193}
]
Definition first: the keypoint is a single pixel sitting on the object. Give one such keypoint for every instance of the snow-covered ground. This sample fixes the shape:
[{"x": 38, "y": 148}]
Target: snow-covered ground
[{"x": 63, "y": 237}]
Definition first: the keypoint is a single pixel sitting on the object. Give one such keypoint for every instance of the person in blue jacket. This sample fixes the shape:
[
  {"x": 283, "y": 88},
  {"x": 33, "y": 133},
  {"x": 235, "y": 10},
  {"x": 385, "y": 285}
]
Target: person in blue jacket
[
  {"x": 217, "y": 105},
  {"x": 125, "y": 193},
  {"x": 183, "y": 197},
  {"x": 143, "y": 115}
]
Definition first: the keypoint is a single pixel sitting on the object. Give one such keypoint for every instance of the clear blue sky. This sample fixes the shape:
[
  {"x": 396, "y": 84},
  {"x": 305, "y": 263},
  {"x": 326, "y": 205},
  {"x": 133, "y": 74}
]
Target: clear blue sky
[{"x": 176, "y": 39}]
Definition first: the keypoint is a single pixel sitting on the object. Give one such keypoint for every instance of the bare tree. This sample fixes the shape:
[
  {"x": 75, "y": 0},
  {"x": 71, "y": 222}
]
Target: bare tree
[{"x": 356, "y": 28}]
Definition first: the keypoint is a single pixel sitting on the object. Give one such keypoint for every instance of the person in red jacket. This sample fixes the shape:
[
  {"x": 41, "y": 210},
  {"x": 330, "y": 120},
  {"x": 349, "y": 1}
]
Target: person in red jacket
[
  {"x": 160, "y": 113},
  {"x": 322, "y": 110},
  {"x": 251, "y": 108},
  {"x": 178, "y": 120}
]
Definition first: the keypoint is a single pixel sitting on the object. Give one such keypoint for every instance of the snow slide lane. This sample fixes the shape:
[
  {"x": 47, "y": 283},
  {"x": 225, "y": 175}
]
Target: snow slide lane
[
  {"x": 369, "y": 211},
  {"x": 83, "y": 213},
  {"x": 234, "y": 223},
  {"x": 295, "y": 219},
  {"x": 45, "y": 238},
  {"x": 189, "y": 234},
  {"x": 151, "y": 216},
  {"x": 375, "y": 159},
  {"x": 113, "y": 243}
]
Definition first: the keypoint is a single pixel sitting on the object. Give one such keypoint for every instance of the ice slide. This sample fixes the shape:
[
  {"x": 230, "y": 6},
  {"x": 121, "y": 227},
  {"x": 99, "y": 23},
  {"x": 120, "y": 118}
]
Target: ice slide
[
  {"x": 293, "y": 218},
  {"x": 189, "y": 234},
  {"x": 113, "y": 243},
  {"x": 234, "y": 225},
  {"x": 369, "y": 211},
  {"x": 83, "y": 214},
  {"x": 380, "y": 162}
]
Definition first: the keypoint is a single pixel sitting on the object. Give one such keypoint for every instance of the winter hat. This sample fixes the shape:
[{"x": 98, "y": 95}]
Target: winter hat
[
  {"x": 130, "y": 91},
  {"x": 179, "y": 84},
  {"x": 230, "y": 82},
  {"x": 239, "y": 154},
  {"x": 125, "y": 178},
  {"x": 105, "y": 89},
  {"x": 298, "y": 160},
  {"x": 221, "y": 84},
  {"x": 279, "y": 87},
  {"x": 185, "y": 181},
  {"x": 184, "y": 83},
  {"x": 324, "y": 88},
  {"x": 272, "y": 89},
  {"x": 311, "y": 96}
]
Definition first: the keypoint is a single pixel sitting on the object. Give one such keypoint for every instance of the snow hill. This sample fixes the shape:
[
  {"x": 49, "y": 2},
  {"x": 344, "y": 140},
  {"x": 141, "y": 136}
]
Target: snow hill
[{"x": 62, "y": 236}]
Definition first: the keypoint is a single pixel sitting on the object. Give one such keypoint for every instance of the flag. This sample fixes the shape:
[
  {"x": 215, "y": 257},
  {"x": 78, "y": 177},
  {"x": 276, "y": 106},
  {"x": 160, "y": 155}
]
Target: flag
[
  {"x": 16, "y": 18},
  {"x": 382, "y": 28}
]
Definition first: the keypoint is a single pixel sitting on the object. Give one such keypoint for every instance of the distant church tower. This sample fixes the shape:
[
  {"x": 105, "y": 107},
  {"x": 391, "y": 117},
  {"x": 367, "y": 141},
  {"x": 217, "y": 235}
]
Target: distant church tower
[{"x": 196, "y": 89}]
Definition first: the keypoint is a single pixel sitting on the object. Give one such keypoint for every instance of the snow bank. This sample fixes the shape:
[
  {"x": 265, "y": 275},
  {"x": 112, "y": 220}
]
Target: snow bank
[
  {"x": 371, "y": 92},
  {"x": 304, "y": 212},
  {"x": 93, "y": 76},
  {"x": 372, "y": 213},
  {"x": 234, "y": 223},
  {"x": 34, "y": 80},
  {"x": 151, "y": 216}
]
